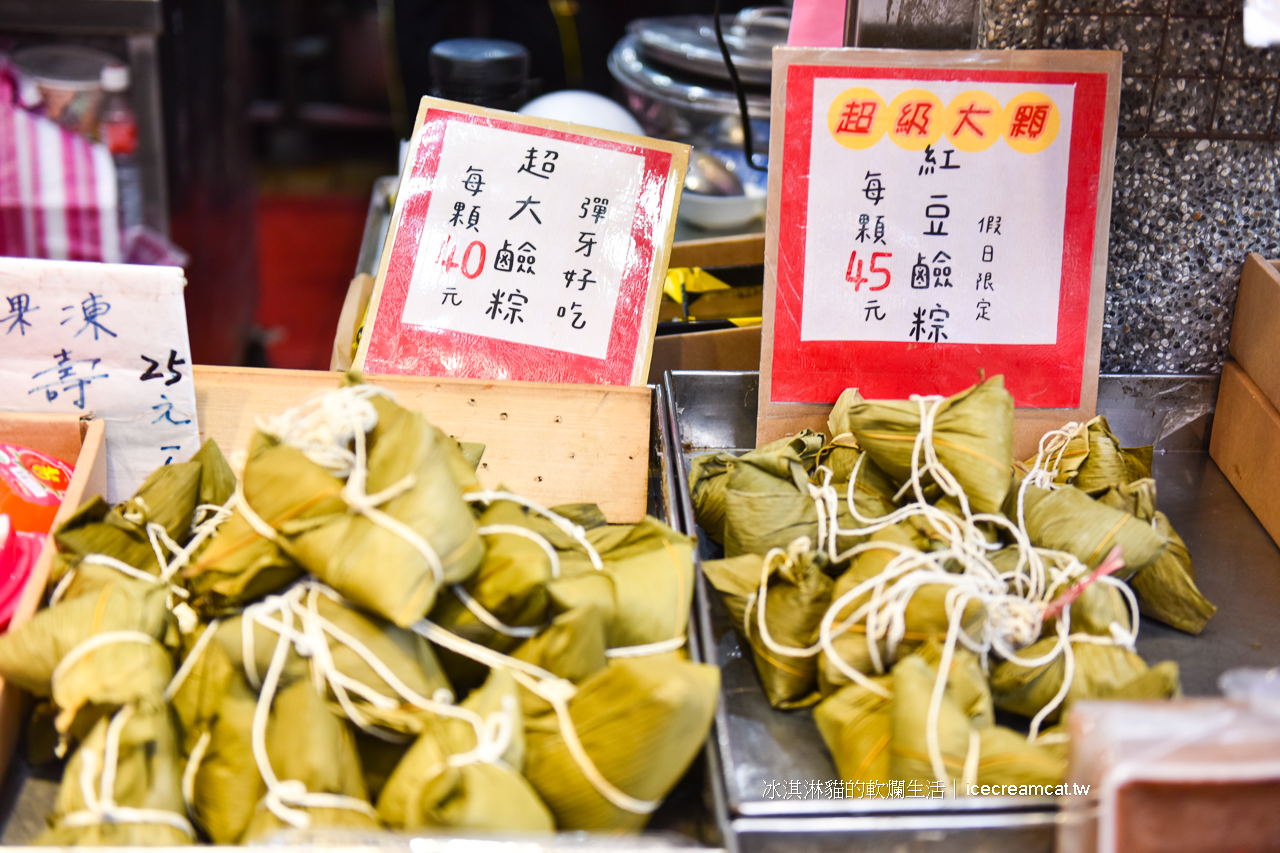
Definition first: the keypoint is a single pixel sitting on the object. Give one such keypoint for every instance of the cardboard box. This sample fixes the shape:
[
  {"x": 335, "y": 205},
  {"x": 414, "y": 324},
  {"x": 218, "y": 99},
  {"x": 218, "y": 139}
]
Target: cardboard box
[
  {"x": 1246, "y": 444},
  {"x": 70, "y": 438},
  {"x": 1256, "y": 327},
  {"x": 722, "y": 349}
]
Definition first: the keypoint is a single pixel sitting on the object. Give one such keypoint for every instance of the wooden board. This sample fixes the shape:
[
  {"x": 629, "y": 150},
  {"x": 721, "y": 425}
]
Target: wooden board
[
  {"x": 1246, "y": 444},
  {"x": 67, "y": 437},
  {"x": 1256, "y": 326},
  {"x": 552, "y": 443},
  {"x": 776, "y": 419},
  {"x": 738, "y": 250}
]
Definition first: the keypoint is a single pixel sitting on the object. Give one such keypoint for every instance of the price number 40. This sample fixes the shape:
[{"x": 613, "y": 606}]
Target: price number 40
[{"x": 470, "y": 266}]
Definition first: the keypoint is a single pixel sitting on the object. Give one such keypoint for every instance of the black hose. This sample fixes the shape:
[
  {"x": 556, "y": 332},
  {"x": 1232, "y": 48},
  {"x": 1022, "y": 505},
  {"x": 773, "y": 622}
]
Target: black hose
[{"x": 747, "y": 147}]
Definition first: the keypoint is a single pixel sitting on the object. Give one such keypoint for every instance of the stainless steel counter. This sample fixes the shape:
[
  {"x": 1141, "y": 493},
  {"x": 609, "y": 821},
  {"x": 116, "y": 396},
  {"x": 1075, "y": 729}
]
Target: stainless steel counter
[{"x": 1238, "y": 568}]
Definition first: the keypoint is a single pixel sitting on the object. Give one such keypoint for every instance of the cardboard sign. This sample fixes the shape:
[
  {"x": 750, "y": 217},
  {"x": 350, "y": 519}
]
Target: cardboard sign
[
  {"x": 523, "y": 248},
  {"x": 109, "y": 339},
  {"x": 936, "y": 218}
]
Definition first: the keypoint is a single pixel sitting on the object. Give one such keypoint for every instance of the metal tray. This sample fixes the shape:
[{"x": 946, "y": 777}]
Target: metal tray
[
  {"x": 751, "y": 744},
  {"x": 27, "y": 794}
]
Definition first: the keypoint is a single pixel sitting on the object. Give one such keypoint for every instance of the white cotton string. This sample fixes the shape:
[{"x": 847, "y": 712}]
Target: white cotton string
[
  {"x": 191, "y": 769},
  {"x": 969, "y": 775},
  {"x": 277, "y": 614},
  {"x": 94, "y": 643},
  {"x": 557, "y": 693},
  {"x": 189, "y": 664},
  {"x": 552, "y": 689},
  {"x": 489, "y": 619},
  {"x": 532, "y": 535},
  {"x": 646, "y": 649},
  {"x": 759, "y": 600},
  {"x": 322, "y": 426},
  {"x": 321, "y": 429},
  {"x": 100, "y": 805},
  {"x": 1015, "y": 601},
  {"x": 575, "y": 531},
  {"x": 494, "y": 737},
  {"x": 287, "y": 799}
]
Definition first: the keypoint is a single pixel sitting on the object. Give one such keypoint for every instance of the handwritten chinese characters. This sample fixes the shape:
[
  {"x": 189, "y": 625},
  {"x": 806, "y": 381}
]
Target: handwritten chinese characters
[
  {"x": 945, "y": 227},
  {"x": 526, "y": 239},
  {"x": 106, "y": 339}
]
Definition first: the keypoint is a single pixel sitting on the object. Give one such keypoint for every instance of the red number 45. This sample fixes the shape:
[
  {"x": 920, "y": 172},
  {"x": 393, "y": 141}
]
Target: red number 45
[{"x": 854, "y": 275}]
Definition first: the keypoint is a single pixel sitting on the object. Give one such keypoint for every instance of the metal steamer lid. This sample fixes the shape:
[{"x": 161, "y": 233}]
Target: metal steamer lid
[
  {"x": 702, "y": 95},
  {"x": 688, "y": 42},
  {"x": 67, "y": 66}
]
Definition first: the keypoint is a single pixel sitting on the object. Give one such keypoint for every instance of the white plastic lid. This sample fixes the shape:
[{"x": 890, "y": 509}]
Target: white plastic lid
[{"x": 115, "y": 78}]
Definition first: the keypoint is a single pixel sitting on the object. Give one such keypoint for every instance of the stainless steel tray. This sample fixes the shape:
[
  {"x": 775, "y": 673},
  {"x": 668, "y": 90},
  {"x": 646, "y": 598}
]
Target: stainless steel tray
[{"x": 1238, "y": 569}]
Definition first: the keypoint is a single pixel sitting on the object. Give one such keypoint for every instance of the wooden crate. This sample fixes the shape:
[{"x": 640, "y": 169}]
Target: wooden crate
[
  {"x": 551, "y": 443},
  {"x": 1256, "y": 327},
  {"x": 1246, "y": 444},
  {"x": 66, "y": 437}
]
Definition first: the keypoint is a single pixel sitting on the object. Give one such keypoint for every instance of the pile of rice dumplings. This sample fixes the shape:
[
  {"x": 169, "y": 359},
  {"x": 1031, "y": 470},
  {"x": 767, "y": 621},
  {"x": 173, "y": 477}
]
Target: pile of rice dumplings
[
  {"x": 355, "y": 635},
  {"x": 908, "y": 578}
]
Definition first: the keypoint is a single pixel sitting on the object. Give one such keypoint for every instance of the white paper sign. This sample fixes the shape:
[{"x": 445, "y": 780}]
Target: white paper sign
[
  {"x": 526, "y": 240},
  {"x": 108, "y": 339},
  {"x": 938, "y": 245}
]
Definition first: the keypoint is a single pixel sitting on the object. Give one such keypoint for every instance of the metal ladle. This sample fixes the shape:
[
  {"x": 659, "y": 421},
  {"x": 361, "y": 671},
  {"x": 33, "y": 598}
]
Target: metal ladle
[{"x": 708, "y": 175}]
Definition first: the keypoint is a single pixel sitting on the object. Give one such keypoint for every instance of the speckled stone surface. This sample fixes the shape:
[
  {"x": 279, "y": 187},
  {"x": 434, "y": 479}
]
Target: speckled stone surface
[
  {"x": 1183, "y": 216},
  {"x": 1190, "y": 201}
]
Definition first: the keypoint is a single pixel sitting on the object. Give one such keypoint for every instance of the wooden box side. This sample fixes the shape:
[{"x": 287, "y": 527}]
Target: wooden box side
[
  {"x": 549, "y": 442},
  {"x": 1256, "y": 326},
  {"x": 54, "y": 434},
  {"x": 1246, "y": 444}
]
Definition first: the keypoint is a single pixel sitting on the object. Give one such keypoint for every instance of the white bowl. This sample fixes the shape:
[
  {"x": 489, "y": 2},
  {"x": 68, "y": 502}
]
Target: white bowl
[{"x": 719, "y": 212}]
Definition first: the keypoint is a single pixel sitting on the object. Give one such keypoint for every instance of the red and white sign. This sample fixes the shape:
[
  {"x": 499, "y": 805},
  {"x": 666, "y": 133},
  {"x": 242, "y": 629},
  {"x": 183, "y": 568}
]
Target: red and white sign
[
  {"x": 523, "y": 249},
  {"x": 935, "y": 224}
]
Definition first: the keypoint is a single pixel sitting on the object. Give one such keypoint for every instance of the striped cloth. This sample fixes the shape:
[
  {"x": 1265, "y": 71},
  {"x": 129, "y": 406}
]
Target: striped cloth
[{"x": 57, "y": 189}]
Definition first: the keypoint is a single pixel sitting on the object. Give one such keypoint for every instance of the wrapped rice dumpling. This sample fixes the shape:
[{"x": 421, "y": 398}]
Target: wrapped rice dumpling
[
  {"x": 855, "y": 723},
  {"x": 708, "y": 479},
  {"x": 167, "y": 497},
  {"x": 510, "y": 585},
  {"x": 799, "y": 593},
  {"x": 1067, "y": 519},
  {"x": 96, "y": 652},
  {"x": 972, "y": 435},
  {"x": 377, "y": 568},
  {"x": 767, "y": 500},
  {"x": 407, "y": 655},
  {"x": 1166, "y": 588},
  {"x": 966, "y": 682},
  {"x": 140, "y": 805},
  {"x": 645, "y": 588},
  {"x": 1100, "y": 672},
  {"x": 925, "y": 616},
  {"x": 1006, "y": 758},
  {"x": 913, "y": 681},
  {"x": 310, "y": 747},
  {"x": 1108, "y": 464},
  {"x": 228, "y": 785},
  {"x": 448, "y": 779},
  {"x": 641, "y": 721},
  {"x": 235, "y": 567},
  {"x": 208, "y": 676},
  {"x": 572, "y": 648}
]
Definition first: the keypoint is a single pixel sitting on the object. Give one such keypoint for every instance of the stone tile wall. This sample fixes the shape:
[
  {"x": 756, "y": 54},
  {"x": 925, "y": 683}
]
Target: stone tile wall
[{"x": 1196, "y": 166}]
